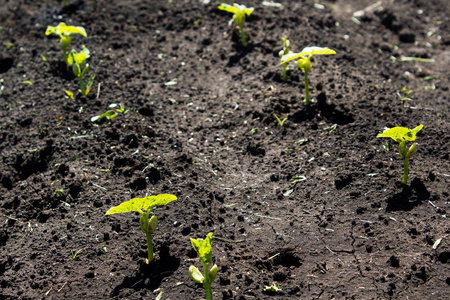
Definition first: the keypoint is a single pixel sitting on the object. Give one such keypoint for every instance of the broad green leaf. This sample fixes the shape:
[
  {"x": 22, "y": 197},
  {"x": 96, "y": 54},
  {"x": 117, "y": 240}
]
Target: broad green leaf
[
  {"x": 203, "y": 248},
  {"x": 291, "y": 56},
  {"x": 314, "y": 50},
  {"x": 228, "y": 8},
  {"x": 195, "y": 274},
  {"x": 400, "y": 134},
  {"x": 63, "y": 29},
  {"x": 139, "y": 204}
]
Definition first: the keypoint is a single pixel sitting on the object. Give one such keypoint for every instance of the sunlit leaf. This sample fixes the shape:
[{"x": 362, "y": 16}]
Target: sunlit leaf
[{"x": 139, "y": 204}]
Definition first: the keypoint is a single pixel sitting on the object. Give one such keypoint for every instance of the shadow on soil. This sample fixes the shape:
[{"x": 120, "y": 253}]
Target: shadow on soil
[
  {"x": 150, "y": 276},
  {"x": 410, "y": 197}
]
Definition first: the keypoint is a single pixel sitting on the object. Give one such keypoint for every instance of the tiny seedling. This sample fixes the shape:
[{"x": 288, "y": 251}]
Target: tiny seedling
[
  {"x": 286, "y": 50},
  {"x": 76, "y": 59},
  {"x": 239, "y": 11},
  {"x": 274, "y": 288},
  {"x": 402, "y": 135},
  {"x": 304, "y": 63},
  {"x": 144, "y": 206},
  {"x": 111, "y": 113},
  {"x": 64, "y": 33},
  {"x": 203, "y": 248},
  {"x": 281, "y": 122},
  {"x": 74, "y": 254}
]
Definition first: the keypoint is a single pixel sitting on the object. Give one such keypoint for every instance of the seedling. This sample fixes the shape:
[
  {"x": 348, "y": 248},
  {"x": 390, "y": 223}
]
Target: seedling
[
  {"x": 239, "y": 11},
  {"x": 285, "y": 51},
  {"x": 144, "y": 206},
  {"x": 203, "y": 248},
  {"x": 64, "y": 32},
  {"x": 281, "y": 122},
  {"x": 76, "y": 60},
  {"x": 402, "y": 135},
  {"x": 304, "y": 63},
  {"x": 74, "y": 254},
  {"x": 111, "y": 113}
]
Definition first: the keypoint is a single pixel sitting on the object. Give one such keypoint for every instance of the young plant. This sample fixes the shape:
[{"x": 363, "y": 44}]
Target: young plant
[
  {"x": 239, "y": 11},
  {"x": 144, "y": 206},
  {"x": 76, "y": 60},
  {"x": 203, "y": 248},
  {"x": 304, "y": 63},
  {"x": 402, "y": 135},
  {"x": 281, "y": 122},
  {"x": 286, "y": 50},
  {"x": 111, "y": 113},
  {"x": 64, "y": 32}
]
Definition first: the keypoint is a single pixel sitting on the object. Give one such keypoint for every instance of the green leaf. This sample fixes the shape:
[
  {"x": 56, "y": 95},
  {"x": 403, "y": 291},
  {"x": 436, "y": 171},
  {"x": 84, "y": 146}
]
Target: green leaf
[
  {"x": 195, "y": 274},
  {"x": 109, "y": 115},
  {"x": 400, "y": 134},
  {"x": 291, "y": 56},
  {"x": 78, "y": 57},
  {"x": 236, "y": 8},
  {"x": 203, "y": 248},
  {"x": 314, "y": 50},
  {"x": 139, "y": 204}
]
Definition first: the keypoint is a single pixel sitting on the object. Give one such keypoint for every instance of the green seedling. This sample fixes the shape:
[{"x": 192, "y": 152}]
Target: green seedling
[
  {"x": 239, "y": 12},
  {"x": 281, "y": 122},
  {"x": 203, "y": 248},
  {"x": 74, "y": 254},
  {"x": 286, "y": 50},
  {"x": 110, "y": 114},
  {"x": 402, "y": 135},
  {"x": 76, "y": 59},
  {"x": 64, "y": 33},
  {"x": 304, "y": 63},
  {"x": 144, "y": 206},
  {"x": 274, "y": 288}
]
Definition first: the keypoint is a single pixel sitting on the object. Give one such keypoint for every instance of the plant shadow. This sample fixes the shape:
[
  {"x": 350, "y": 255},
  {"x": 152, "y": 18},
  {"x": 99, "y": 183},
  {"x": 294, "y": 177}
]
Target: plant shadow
[
  {"x": 150, "y": 276},
  {"x": 410, "y": 197}
]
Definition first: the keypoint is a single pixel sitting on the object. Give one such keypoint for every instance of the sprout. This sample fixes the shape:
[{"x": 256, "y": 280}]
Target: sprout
[
  {"x": 144, "y": 206},
  {"x": 304, "y": 63},
  {"x": 402, "y": 135},
  {"x": 76, "y": 59},
  {"x": 203, "y": 249},
  {"x": 239, "y": 11},
  {"x": 285, "y": 51}
]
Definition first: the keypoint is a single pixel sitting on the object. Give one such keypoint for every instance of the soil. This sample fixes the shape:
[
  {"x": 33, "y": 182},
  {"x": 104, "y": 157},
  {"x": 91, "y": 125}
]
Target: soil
[{"x": 316, "y": 205}]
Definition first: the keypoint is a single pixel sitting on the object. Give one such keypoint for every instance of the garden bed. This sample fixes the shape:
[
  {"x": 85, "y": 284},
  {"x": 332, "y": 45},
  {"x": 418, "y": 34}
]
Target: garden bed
[{"x": 316, "y": 205}]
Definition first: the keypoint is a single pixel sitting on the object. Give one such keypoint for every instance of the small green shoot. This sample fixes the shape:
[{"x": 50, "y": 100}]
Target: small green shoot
[
  {"x": 64, "y": 33},
  {"x": 76, "y": 60},
  {"x": 254, "y": 130},
  {"x": 275, "y": 287},
  {"x": 281, "y": 122},
  {"x": 144, "y": 206},
  {"x": 110, "y": 114},
  {"x": 74, "y": 254},
  {"x": 402, "y": 135},
  {"x": 69, "y": 94},
  {"x": 59, "y": 191},
  {"x": 404, "y": 92},
  {"x": 239, "y": 12},
  {"x": 304, "y": 63},
  {"x": 286, "y": 50},
  {"x": 203, "y": 248}
]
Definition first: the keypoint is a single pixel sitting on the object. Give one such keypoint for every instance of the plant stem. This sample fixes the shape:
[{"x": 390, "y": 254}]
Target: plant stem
[
  {"x": 243, "y": 37},
  {"x": 405, "y": 171},
  {"x": 82, "y": 86},
  {"x": 284, "y": 72},
  {"x": 307, "y": 101},
  {"x": 149, "y": 247},
  {"x": 206, "y": 282}
]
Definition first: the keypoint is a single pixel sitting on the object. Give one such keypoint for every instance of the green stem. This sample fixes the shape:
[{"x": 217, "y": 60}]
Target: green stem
[
  {"x": 82, "y": 86},
  {"x": 284, "y": 71},
  {"x": 149, "y": 247},
  {"x": 307, "y": 101},
  {"x": 206, "y": 282},
  {"x": 405, "y": 171},
  {"x": 243, "y": 37}
]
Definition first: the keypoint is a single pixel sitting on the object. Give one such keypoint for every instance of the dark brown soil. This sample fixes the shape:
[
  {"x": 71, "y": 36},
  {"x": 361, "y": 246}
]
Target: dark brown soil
[{"x": 201, "y": 126}]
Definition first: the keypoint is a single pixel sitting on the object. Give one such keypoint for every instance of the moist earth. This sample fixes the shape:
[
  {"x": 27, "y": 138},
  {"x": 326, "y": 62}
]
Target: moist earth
[{"x": 315, "y": 205}]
